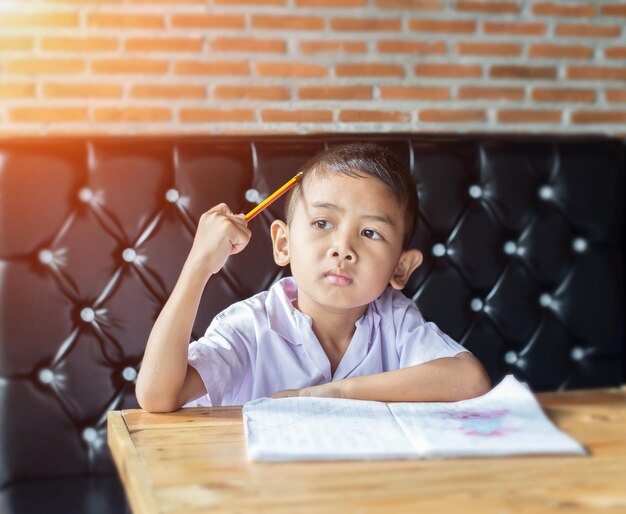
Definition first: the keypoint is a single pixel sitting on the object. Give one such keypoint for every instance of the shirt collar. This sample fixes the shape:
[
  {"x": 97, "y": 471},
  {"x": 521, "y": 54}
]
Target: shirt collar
[{"x": 284, "y": 318}]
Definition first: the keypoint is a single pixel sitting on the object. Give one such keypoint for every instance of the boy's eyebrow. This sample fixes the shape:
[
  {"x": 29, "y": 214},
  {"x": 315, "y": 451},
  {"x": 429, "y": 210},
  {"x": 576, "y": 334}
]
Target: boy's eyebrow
[{"x": 376, "y": 217}]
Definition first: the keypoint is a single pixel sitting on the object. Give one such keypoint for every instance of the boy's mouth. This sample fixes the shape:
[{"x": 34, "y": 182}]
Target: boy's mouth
[{"x": 338, "y": 277}]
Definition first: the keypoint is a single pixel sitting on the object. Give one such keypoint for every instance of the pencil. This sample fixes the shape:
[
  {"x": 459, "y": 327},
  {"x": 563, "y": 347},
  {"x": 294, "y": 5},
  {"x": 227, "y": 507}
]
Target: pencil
[{"x": 274, "y": 196}]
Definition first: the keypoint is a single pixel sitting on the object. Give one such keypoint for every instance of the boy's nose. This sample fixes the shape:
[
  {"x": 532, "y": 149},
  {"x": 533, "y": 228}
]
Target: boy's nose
[{"x": 342, "y": 253}]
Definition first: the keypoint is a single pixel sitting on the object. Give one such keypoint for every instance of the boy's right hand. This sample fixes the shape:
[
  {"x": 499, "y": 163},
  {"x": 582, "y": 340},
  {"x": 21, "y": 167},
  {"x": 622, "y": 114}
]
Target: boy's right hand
[{"x": 220, "y": 233}]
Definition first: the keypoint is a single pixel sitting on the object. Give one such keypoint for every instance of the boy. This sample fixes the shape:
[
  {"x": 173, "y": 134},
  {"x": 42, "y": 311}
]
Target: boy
[{"x": 339, "y": 327}]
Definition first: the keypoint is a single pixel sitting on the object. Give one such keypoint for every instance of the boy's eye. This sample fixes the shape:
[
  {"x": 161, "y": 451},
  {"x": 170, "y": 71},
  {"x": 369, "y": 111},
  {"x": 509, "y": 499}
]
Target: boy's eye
[
  {"x": 371, "y": 234},
  {"x": 323, "y": 224}
]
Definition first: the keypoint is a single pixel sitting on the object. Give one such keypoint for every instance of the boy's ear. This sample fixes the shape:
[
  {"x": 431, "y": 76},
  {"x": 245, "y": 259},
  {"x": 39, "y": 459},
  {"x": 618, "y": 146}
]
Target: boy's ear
[
  {"x": 409, "y": 261},
  {"x": 280, "y": 242}
]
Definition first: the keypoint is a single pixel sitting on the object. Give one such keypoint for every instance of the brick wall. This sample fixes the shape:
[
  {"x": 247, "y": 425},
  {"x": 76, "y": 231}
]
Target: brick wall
[{"x": 233, "y": 66}]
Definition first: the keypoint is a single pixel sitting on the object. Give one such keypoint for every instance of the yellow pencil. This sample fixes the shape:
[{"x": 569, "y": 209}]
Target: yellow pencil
[{"x": 274, "y": 196}]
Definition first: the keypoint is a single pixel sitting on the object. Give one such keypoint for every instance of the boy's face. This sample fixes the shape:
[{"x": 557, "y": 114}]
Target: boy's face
[{"x": 344, "y": 242}]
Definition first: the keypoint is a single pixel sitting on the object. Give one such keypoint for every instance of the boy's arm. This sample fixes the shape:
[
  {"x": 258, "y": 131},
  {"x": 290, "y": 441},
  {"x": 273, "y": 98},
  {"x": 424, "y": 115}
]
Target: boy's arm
[
  {"x": 165, "y": 381},
  {"x": 441, "y": 380}
]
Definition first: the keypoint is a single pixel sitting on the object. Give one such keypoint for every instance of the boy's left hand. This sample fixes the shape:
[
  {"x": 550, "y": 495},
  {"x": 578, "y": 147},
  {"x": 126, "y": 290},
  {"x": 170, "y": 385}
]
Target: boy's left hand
[{"x": 329, "y": 390}]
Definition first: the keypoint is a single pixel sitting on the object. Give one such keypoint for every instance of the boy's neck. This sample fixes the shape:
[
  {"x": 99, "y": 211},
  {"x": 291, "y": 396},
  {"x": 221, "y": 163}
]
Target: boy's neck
[{"x": 334, "y": 329}]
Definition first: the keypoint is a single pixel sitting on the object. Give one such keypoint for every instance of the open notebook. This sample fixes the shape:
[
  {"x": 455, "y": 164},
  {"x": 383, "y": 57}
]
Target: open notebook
[{"x": 505, "y": 421}]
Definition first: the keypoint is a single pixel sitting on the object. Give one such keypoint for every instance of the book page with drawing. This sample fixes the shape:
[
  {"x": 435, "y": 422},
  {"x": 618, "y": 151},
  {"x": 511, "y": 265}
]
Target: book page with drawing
[{"x": 505, "y": 421}]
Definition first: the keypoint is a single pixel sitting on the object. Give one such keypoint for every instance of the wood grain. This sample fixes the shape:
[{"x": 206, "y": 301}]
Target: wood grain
[{"x": 194, "y": 461}]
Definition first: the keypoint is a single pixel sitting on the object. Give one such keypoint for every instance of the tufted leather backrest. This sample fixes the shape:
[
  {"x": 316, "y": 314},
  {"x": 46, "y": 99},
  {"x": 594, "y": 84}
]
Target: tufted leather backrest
[{"x": 522, "y": 238}]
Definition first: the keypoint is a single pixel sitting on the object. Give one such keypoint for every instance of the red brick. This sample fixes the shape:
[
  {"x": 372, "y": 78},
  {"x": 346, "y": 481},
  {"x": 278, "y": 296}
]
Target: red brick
[
  {"x": 48, "y": 114},
  {"x": 299, "y": 116},
  {"x": 514, "y": 28},
  {"x": 201, "y": 115},
  {"x": 289, "y": 69},
  {"x": 366, "y": 24},
  {"x": 82, "y": 90},
  {"x": 414, "y": 93},
  {"x": 335, "y": 93},
  {"x": 20, "y": 20},
  {"x": 616, "y": 95},
  {"x": 14, "y": 43},
  {"x": 131, "y": 114},
  {"x": 412, "y": 47},
  {"x": 615, "y": 52},
  {"x": 79, "y": 44},
  {"x": 332, "y": 46},
  {"x": 125, "y": 20},
  {"x": 126, "y": 65},
  {"x": 553, "y": 9},
  {"x": 362, "y": 116},
  {"x": 448, "y": 70},
  {"x": 599, "y": 117},
  {"x": 595, "y": 73},
  {"x": 331, "y": 4},
  {"x": 225, "y": 44},
  {"x": 490, "y": 93},
  {"x": 417, "y": 5},
  {"x": 257, "y": 3},
  {"x": 372, "y": 69},
  {"x": 456, "y": 26},
  {"x": 583, "y": 30},
  {"x": 208, "y": 21},
  {"x": 234, "y": 92},
  {"x": 275, "y": 22},
  {"x": 488, "y": 49},
  {"x": 17, "y": 90},
  {"x": 452, "y": 115},
  {"x": 167, "y": 91},
  {"x": 211, "y": 68},
  {"x": 523, "y": 72},
  {"x": 563, "y": 95},
  {"x": 528, "y": 116},
  {"x": 147, "y": 45},
  {"x": 495, "y": 7},
  {"x": 613, "y": 10},
  {"x": 45, "y": 65},
  {"x": 560, "y": 51}
]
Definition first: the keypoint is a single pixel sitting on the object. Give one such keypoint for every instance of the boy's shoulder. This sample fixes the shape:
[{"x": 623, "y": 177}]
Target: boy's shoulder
[{"x": 259, "y": 307}]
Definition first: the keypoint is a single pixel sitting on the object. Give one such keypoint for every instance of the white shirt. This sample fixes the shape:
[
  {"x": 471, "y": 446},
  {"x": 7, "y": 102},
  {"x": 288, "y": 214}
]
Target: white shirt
[{"x": 264, "y": 344}]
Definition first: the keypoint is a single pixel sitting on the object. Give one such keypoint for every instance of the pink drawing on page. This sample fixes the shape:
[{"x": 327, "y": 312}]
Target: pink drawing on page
[{"x": 484, "y": 424}]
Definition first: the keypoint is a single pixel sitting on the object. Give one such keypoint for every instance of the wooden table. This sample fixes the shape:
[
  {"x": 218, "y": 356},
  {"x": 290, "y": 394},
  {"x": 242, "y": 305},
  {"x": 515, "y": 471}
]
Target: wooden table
[{"x": 194, "y": 461}]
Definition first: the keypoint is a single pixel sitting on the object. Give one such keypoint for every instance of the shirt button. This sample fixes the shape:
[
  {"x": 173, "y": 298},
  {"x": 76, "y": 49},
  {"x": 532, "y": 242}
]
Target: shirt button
[
  {"x": 439, "y": 250},
  {"x": 172, "y": 195},
  {"x": 87, "y": 314}
]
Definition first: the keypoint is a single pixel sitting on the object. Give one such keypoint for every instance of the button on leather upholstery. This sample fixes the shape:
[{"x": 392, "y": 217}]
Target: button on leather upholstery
[
  {"x": 439, "y": 250},
  {"x": 172, "y": 195},
  {"x": 87, "y": 314}
]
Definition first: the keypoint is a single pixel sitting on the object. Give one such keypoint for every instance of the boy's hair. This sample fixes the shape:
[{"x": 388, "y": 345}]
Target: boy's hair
[{"x": 358, "y": 159}]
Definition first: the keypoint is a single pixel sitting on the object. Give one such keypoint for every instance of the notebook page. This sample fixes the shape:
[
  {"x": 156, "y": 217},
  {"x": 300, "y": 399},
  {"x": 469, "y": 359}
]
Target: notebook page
[
  {"x": 322, "y": 429},
  {"x": 508, "y": 420}
]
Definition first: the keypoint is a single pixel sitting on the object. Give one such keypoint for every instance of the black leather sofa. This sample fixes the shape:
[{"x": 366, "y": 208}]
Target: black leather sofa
[{"x": 523, "y": 245}]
